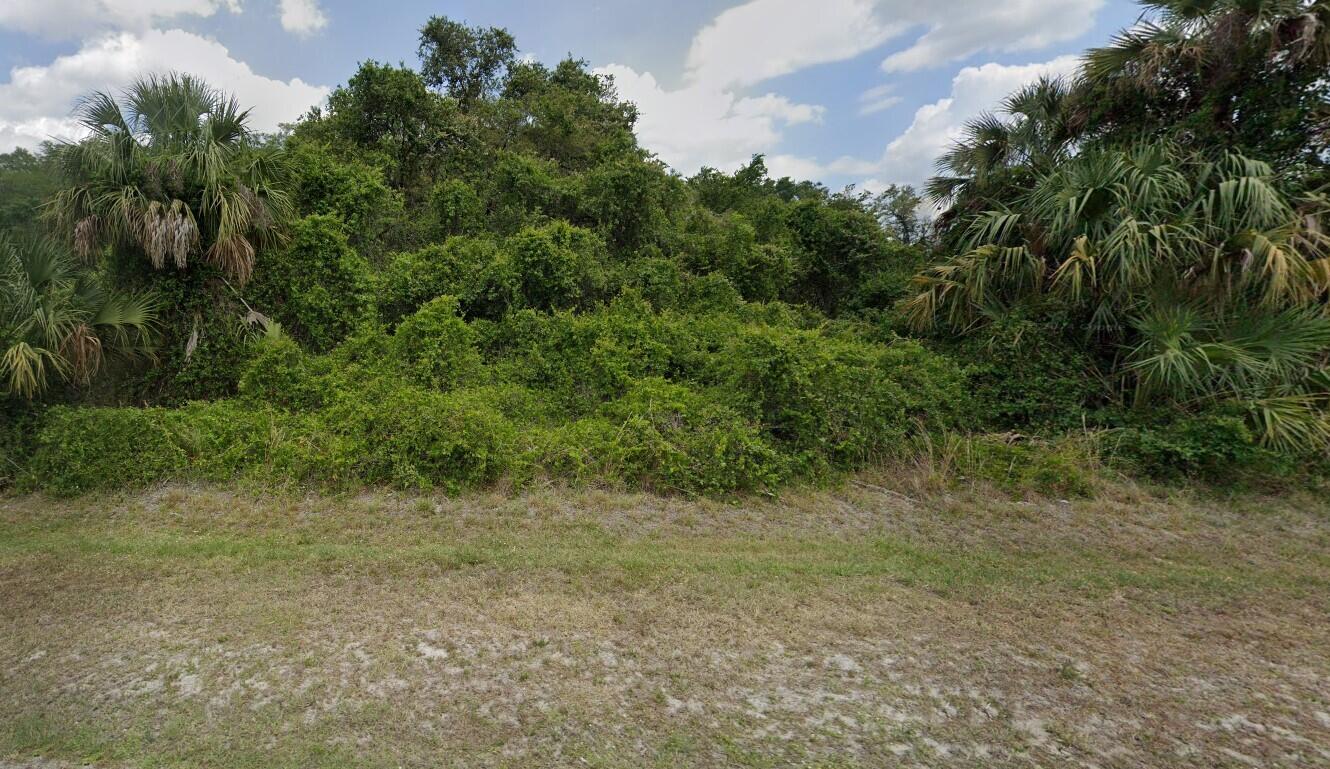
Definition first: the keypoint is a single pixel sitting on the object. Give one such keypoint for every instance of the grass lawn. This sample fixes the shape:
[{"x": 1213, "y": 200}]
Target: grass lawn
[{"x": 854, "y": 627}]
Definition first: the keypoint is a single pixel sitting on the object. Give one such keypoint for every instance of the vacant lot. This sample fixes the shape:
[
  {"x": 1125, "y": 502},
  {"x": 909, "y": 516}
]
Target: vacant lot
[{"x": 851, "y": 628}]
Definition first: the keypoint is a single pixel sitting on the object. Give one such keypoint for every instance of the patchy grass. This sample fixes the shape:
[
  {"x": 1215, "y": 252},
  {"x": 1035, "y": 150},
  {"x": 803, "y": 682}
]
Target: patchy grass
[{"x": 876, "y": 624}]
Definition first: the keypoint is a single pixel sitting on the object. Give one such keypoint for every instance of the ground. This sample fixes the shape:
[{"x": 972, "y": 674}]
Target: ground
[{"x": 878, "y": 624}]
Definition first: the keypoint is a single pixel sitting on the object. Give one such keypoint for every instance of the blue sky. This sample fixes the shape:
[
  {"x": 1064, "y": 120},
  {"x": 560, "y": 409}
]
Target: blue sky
[{"x": 842, "y": 91}]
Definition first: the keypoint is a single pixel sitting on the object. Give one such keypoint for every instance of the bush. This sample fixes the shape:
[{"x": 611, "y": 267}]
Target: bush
[
  {"x": 83, "y": 449},
  {"x": 459, "y": 209},
  {"x": 438, "y": 347},
  {"x": 583, "y": 360},
  {"x": 1216, "y": 448},
  {"x": 281, "y": 374},
  {"x": 415, "y": 438},
  {"x": 1025, "y": 376},
  {"x": 354, "y": 192},
  {"x": 658, "y": 280},
  {"x": 317, "y": 287},
  {"x": 728, "y": 245},
  {"x": 629, "y": 200},
  {"x": 673, "y": 437},
  {"x": 558, "y": 267},
  {"x": 836, "y": 402},
  {"x": 462, "y": 267},
  {"x": 18, "y": 428}
]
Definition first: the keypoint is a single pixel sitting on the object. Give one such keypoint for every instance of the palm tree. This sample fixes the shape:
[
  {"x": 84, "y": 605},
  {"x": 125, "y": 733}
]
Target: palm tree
[
  {"x": 57, "y": 321},
  {"x": 1207, "y": 279},
  {"x": 1032, "y": 129},
  {"x": 1248, "y": 75},
  {"x": 171, "y": 168}
]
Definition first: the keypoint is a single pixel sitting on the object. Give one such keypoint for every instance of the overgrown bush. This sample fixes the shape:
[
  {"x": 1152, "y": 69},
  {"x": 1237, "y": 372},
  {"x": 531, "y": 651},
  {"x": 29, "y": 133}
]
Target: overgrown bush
[
  {"x": 411, "y": 437},
  {"x": 461, "y": 267},
  {"x": 1025, "y": 376},
  {"x": 18, "y": 429},
  {"x": 317, "y": 287},
  {"x": 283, "y": 375},
  {"x": 835, "y": 402},
  {"x": 438, "y": 347},
  {"x": 672, "y": 437},
  {"x": 1217, "y": 448},
  {"x": 82, "y": 449},
  {"x": 557, "y": 267}
]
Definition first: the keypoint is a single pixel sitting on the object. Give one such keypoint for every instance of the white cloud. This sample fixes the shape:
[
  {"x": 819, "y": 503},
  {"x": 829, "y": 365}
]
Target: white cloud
[
  {"x": 974, "y": 90},
  {"x": 709, "y": 121},
  {"x": 958, "y": 29},
  {"x": 74, "y": 18},
  {"x": 763, "y": 39},
  {"x": 36, "y": 101},
  {"x": 909, "y": 158},
  {"x": 702, "y": 125},
  {"x": 877, "y": 99},
  {"x": 302, "y": 17}
]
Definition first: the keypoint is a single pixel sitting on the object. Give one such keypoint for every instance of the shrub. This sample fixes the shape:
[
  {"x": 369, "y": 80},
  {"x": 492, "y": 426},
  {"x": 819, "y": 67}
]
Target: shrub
[
  {"x": 523, "y": 190},
  {"x": 629, "y": 199},
  {"x": 462, "y": 267},
  {"x": 582, "y": 451},
  {"x": 82, "y": 449},
  {"x": 438, "y": 347},
  {"x": 459, "y": 209},
  {"x": 711, "y": 293},
  {"x": 352, "y": 191},
  {"x": 224, "y": 440},
  {"x": 558, "y": 266},
  {"x": 673, "y": 437},
  {"x": 1217, "y": 448},
  {"x": 417, "y": 438},
  {"x": 658, "y": 280},
  {"x": 1025, "y": 376},
  {"x": 282, "y": 374},
  {"x": 18, "y": 428},
  {"x": 317, "y": 287},
  {"x": 583, "y": 360},
  {"x": 837, "y": 402},
  {"x": 882, "y": 287},
  {"x": 728, "y": 245}
]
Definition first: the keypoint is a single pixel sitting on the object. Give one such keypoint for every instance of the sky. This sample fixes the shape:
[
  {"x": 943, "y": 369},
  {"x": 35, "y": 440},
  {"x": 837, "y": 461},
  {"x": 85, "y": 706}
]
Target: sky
[{"x": 864, "y": 92}]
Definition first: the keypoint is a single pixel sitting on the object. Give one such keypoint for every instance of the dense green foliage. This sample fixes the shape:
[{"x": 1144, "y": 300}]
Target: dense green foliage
[
  {"x": 58, "y": 322},
  {"x": 472, "y": 274},
  {"x": 1168, "y": 205}
]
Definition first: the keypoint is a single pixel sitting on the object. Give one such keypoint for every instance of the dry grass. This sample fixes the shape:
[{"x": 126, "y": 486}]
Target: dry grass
[{"x": 875, "y": 625}]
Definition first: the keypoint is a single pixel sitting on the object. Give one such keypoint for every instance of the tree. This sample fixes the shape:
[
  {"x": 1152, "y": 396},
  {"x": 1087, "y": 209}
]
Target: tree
[
  {"x": 1245, "y": 75},
  {"x": 1033, "y": 130},
  {"x": 170, "y": 169},
  {"x": 389, "y": 109},
  {"x": 26, "y": 181},
  {"x": 58, "y": 322},
  {"x": 897, "y": 209},
  {"x": 567, "y": 113},
  {"x": 467, "y": 63},
  {"x": 1205, "y": 278}
]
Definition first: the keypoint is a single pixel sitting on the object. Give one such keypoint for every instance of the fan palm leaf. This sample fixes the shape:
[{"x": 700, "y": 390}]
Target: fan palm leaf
[{"x": 170, "y": 168}]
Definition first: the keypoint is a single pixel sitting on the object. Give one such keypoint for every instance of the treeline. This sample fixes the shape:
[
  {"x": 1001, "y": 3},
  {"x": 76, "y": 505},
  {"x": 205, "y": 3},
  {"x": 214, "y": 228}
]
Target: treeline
[{"x": 469, "y": 271}]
